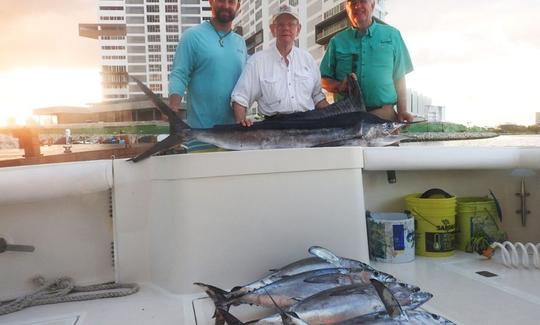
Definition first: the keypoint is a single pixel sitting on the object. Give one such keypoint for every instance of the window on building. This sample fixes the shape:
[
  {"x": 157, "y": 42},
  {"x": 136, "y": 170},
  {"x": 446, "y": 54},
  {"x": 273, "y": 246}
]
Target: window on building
[
  {"x": 154, "y": 38},
  {"x": 152, "y": 18},
  {"x": 171, "y": 8},
  {"x": 154, "y": 67},
  {"x": 113, "y": 47},
  {"x": 155, "y": 77},
  {"x": 135, "y": 20},
  {"x": 111, "y": 18},
  {"x": 154, "y": 48},
  {"x": 139, "y": 10},
  {"x": 152, "y": 28},
  {"x": 156, "y": 87},
  {"x": 113, "y": 68},
  {"x": 171, "y": 18},
  {"x": 171, "y": 28},
  {"x": 152, "y": 8},
  {"x": 172, "y": 38},
  {"x": 191, "y": 10},
  {"x": 171, "y": 48},
  {"x": 112, "y": 38},
  {"x": 191, "y": 20},
  {"x": 135, "y": 29},
  {"x": 113, "y": 57},
  {"x": 154, "y": 58},
  {"x": 111, "y": 8},
  {"x": 170, "y": 57}
]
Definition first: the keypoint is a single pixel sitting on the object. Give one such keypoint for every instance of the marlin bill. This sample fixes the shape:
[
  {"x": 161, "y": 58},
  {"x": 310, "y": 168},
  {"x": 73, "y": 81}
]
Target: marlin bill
[{"x": 343, "y": 123}]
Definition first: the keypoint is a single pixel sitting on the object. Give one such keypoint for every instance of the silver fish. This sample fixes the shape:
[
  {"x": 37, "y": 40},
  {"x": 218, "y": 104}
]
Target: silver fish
[
  {"x": 343, "y": 303},
  {"x": 394, "y": 313},
  {"x": 291, "y": 289},
  {"x": 342, "y": 121},
  {"x": 323, "y": 259},
  {"x": 412, "y": 317},
  {"x": 287, "y": 318}
]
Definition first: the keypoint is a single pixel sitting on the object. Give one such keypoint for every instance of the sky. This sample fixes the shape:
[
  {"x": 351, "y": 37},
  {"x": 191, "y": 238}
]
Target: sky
[
  {"x": 477, "y": 58},
  {"x": 480, "y": 59},
  {"x": 43, "y": 61}
]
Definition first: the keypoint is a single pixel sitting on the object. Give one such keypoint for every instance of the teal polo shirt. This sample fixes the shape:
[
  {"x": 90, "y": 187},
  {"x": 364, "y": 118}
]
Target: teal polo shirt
[
  {"x": 208, "y": 73},
  {"x": 379, "y": 57}
]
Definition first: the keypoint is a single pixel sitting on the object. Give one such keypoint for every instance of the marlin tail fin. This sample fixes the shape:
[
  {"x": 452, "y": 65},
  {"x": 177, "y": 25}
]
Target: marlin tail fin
[{"x": 176, "y": 125}]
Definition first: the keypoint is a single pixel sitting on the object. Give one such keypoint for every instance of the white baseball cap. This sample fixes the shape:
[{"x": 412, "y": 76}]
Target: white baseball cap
[{"x": 286, "y": 9}]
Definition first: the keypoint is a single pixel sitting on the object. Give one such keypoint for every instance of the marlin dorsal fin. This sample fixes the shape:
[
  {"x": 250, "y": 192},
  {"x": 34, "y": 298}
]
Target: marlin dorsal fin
[
  {"x": 389, "y": 301},
  {"x": 325, "y": 255},
  {"x": 355, "y": 92}
]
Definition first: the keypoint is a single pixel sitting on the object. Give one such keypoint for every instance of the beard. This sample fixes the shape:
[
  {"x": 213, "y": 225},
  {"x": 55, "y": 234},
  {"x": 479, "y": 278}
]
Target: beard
[{"x": 225, "y": 16}]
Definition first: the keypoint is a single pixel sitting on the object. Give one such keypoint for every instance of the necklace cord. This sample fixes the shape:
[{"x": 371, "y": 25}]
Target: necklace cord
[{"x": 221, "y": 37}]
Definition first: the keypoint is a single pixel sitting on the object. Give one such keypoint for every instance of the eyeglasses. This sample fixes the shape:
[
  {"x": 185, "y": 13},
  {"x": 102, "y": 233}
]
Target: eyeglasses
[
  {"x": 283, "y": 25},
  {"x": 357, "y": 2}
]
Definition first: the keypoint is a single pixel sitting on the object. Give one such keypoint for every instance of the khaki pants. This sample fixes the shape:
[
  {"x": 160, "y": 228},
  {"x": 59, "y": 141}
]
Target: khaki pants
[{"x": 386, "y": 112}]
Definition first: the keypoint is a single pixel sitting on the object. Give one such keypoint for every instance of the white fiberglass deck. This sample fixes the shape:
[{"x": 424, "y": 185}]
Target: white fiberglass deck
[
  {"x": 267, "y": 207},
  {"x": 513, "y": 297}
]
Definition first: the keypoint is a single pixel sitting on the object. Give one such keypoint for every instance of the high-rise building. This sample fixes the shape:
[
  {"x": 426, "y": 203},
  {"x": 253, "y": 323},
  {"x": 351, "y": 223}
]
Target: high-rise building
[{"x": 139, "y": 37}]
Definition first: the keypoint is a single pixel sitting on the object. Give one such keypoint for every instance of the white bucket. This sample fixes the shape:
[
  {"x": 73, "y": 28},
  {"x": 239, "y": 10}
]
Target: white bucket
[{"x": 391, "y": 237}]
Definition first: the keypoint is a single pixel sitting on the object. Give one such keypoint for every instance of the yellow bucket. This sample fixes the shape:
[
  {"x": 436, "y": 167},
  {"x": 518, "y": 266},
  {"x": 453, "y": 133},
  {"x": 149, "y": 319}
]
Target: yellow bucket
[
  {"x": 434, "y": 212},
  {"x": 472, "y": 213}
]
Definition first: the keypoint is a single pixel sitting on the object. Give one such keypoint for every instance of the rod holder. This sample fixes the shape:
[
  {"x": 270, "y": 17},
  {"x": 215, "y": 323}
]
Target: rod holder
[{"x": 4, "y": 247}]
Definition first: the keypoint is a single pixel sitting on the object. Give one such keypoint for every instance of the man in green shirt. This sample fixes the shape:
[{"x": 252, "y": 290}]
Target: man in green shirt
[{"x": 377, "y": 55}]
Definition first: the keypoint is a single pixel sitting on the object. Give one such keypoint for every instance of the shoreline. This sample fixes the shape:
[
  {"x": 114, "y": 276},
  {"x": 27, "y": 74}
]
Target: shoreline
[{"x": 447, "y": 136}]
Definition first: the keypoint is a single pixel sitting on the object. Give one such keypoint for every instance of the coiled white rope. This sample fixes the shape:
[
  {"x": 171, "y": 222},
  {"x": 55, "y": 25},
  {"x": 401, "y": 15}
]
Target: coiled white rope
[
  {"x": 510, "y": 254},
  {"x": 64, "y": 290}
]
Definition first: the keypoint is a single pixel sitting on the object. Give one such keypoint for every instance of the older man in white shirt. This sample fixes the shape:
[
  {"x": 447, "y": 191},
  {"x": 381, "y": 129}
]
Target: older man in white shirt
[{"x": 283, "y": 79}]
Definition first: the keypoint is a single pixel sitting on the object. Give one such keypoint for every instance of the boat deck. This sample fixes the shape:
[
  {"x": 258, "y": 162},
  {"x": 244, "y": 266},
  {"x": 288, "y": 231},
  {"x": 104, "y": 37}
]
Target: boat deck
[
  {"x": 460, "y": 294},
  {"x": 465, "y": 297}
]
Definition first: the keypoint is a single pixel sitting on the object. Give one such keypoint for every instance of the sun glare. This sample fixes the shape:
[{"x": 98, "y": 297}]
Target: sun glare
[{"x": 24, "y": 90}]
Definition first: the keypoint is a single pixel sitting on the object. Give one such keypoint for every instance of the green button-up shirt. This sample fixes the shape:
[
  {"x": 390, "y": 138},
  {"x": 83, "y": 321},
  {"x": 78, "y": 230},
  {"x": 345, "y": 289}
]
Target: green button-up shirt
[{"x": 379, "y": 57}]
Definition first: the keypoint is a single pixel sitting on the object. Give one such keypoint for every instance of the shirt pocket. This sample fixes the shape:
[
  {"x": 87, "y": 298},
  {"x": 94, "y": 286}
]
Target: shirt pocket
[
  {"x": 346, "y": 62},
  {"x": 270, "y": 91},
  {"x": 304, "y": 86},
  {"x": 383, "y": 54}
]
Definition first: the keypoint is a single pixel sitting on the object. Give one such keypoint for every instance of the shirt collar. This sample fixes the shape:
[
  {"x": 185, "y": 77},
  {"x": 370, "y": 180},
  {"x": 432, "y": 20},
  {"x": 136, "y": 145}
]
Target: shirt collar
[
  {"x": 369, "y": 31},
  {"x": 277, "y": 55}
]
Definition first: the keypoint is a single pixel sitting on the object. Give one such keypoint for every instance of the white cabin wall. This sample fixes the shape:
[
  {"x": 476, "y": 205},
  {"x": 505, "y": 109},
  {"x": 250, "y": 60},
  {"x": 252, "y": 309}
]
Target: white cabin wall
[
  {"x": 382, "y": 196},
  {"x": 226, "y": 218},
  {"x": 72, "y": 237}
]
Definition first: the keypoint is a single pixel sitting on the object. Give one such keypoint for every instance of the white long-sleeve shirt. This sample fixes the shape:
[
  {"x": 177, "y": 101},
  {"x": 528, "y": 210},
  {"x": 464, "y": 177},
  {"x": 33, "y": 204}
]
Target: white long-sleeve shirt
[{"x": 279, "y": 88}]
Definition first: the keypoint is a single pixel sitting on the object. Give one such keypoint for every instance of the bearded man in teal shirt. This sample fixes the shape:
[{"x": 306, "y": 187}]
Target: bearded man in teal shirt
[
  {"x": 377, "y": 55},
  {"x": 208, "y": 61}
]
